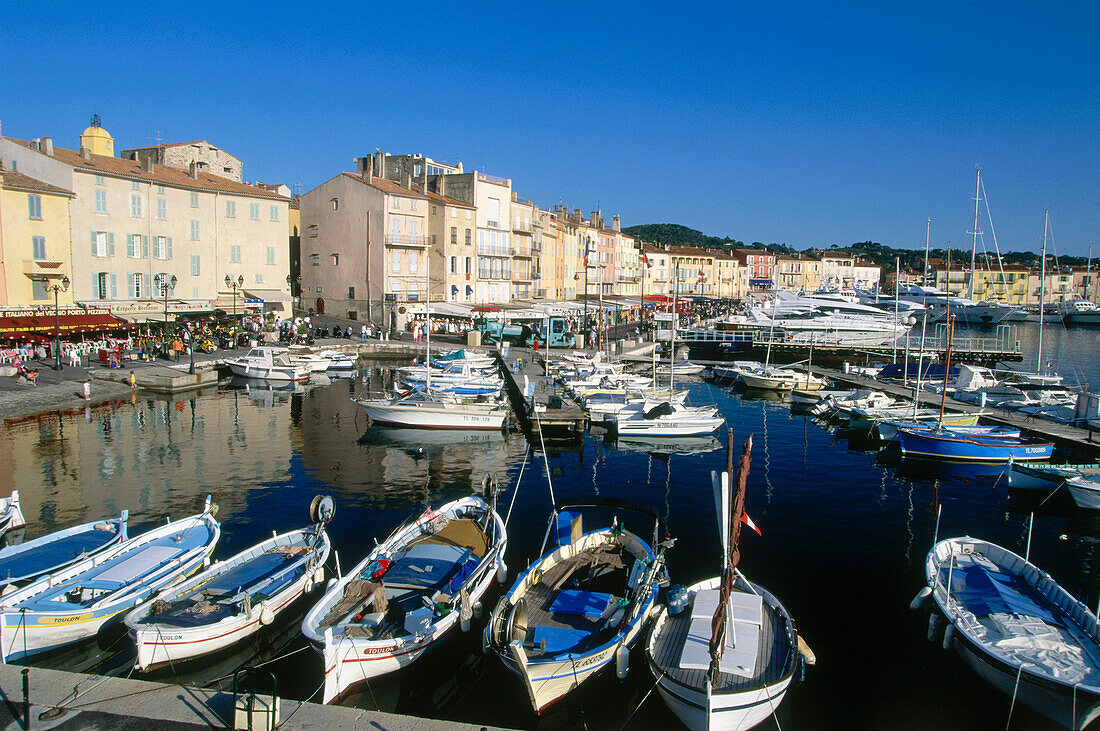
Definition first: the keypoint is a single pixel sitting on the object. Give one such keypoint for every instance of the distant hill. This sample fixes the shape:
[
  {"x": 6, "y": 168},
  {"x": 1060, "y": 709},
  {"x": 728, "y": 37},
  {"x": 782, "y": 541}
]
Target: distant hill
[{"x": 673, "y": 234}]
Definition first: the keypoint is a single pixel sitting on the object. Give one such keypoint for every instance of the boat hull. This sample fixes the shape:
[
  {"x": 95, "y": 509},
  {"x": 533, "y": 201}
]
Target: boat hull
[
  {"x": 433, "y": 418},
  {"x": 942, "y": 446}
]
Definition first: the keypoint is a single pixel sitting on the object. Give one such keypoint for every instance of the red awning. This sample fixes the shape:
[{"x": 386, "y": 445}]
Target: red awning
[
  {"x": 486, "y": 308},
  {"x": 67, "y": 324}
]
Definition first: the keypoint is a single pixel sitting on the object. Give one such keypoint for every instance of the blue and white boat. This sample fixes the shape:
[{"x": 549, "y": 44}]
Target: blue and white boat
[
  {"x": 580, "y": 607},
  {"x": 233, "y": 599},
  {"x": 949, "y": 445},
  {"x": 11, "y": 516},
  {"x": 1047, "y": 477},
  {"x": 72, "y": 604},
  {"x": 26, "y": 561},
  {"x": 888, "y": 430}
]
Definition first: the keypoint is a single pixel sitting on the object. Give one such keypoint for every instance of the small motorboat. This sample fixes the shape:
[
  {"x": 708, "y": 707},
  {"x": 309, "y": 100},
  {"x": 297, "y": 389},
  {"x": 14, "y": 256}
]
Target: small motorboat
[
  {"x": 11, "y": 516},
  {"x": 949, "y": 445},
  {"x": 425, "y": 410},
  {"x": 27, "y": 561},
  {"x": 1085, "y": 492},
  {"x": 409, "y": 592},
  {"x": 665, "y": 419},
  {"x": 1047, "y": 477},
  {"x": 679, "y": 368},
  {"x": 1016, "y": 627},
  {"x": 580, "y": 607},
  {"x": 782, "y": 379},
  {"x": 72, "y": 604},
  {"x": 725, "y": 650},
  {"x": 233, "y": 599},
  {"x": 268, "y": 363}
]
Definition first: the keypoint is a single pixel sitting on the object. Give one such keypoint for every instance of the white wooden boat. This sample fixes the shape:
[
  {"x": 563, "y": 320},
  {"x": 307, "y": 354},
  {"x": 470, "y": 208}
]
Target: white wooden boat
[
  {"x": 782, "y": 379},
  {"x": 666, "y": 419},
  {"x": 1085, "y": 492},
  {"x": 44, "y": 555},
  {"x": 11, "y": 516},
  {"x": 408, "y": 593},
  {"x": 268, "y": 363},
  {"x": 680, "y": 368},
  {"x": 308, "y": 358},
  {"x": 233, "y": 599},
  {"x": 424, "y": 410},
  {"x": 1017, "y": 628},
  {"x": 74, "y": 603},
  {"x": 338, "y": 361},
  {"x": 1046, "y": 477},
  {"x": 735, "y": 676},
  {"x": 555, "y": 635}
]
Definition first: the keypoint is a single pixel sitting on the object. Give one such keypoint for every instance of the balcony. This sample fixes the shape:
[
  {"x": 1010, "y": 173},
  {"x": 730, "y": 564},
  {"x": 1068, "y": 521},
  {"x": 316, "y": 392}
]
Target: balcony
[
  {"x": 409, "y": 241},
  {"x": 42, "y": 267},
  {"x": 487, "y": 250}
]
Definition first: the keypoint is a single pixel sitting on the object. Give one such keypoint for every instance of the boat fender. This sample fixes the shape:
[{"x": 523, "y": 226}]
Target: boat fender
[
  {"x": 622, "y": 662},
  {"x": 502, "y": 572},
  {"x": 654, "y": 611},
  {"x": 948, "y": 636},
  {"x": 330, "y": 584},
  {"x": 918, "y": 600},
  {"x": 464, "y": 623},
  {"x": 807, "y": 654},
  {"x": 479, "y": 609},
  {"x": 319, "y": 575},
  {"x": 933, "y": 626},
  {"x": 267, "y": 616}
]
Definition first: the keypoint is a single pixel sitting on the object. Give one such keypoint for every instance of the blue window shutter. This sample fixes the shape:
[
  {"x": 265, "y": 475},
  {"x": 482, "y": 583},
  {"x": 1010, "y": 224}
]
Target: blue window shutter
[
  {"x": 111, "y": 243},
  {"x": 144, "y": 247},
  {"x": 94, "y": 252},
  {"x": 114, "y": 286},
  {"x": 169, "y": 247},
  {"x": 130, "y": 286},
  {"x": 96, "y": 294}
]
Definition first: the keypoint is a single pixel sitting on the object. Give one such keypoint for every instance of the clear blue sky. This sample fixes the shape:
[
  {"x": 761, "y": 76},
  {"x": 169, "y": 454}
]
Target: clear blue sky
[{"x": 801, "y": 123}]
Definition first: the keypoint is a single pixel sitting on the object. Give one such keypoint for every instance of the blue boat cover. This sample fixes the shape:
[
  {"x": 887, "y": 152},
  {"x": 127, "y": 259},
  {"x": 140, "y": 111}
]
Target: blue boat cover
[
  {"x": 985, "y": 592},
  {"x": 37, "y": 561},
  {"x": 583, "y": 603},
  {"x": 559, "y": 639},
  {"x": 426, "y": 566},
  {"x": 247, "y": 574}
]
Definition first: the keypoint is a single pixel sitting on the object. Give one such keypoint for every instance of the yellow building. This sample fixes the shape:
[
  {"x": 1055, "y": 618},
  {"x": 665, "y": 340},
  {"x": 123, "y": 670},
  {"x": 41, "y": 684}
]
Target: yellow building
[
  {"x": 1012, "y": 288},
  {"x": 35, "y": 241}
]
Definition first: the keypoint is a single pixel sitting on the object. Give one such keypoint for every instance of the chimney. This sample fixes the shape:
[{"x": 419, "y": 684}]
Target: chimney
[
  {"x": 442, "y": 184},
  {"x": 378, "y": 166},
  {"x": 147, "y": 163},
  {"x": 615, "y": 223},
  {"x": 85, "y": 153},
  {"x": 47, "y": 146},
  {"x": 361, "y": 164},
  {"x": 597, "y": 219},
  {"x": 193, "y": 170},
  {"x": 423, "y": 176}
]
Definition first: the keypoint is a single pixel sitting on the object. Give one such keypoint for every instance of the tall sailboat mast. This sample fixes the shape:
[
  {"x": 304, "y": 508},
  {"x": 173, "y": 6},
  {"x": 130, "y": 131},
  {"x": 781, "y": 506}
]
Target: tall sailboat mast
[
  {"x": 974, "y": 245},
  {"x": 1042, "y": 293}
]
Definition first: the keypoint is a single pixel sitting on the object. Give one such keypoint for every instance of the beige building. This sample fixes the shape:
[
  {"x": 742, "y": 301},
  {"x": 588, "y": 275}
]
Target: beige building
[
  {"x": 693, "y": 271},
  {"x": 729, "y": 282},
  {"x": 135, "y": 224},
  {"x": 798, "y": 273},
  {"x": 200, "y": 156},
  {"x": 523, "y": 219},
  {"x": 35, "y": 242}
]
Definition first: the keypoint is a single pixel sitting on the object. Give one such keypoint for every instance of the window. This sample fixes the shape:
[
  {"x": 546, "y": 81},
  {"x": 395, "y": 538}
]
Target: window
[
  {"x": 254, "y": 211},
  {"x": 468, "y": 269},
  {"x": 396, "y": 230},
  {"x": 274, "y": 213},
  {"x": 336, "y": 260},
  {"x": 492, "y": 215},
  {"x": 134, "y": 287},
  {"x": 454, "y": 213},
  {"x": 195, "y": 265},
  {"x": 38, "y": 289},
  {"x": 235, "y": 254},
  {"x": 99, "y": 180},
  {"x": 468, "y": 237},
  {"x": 194, "y": 200},
  {"x": 34, "y": 206},
  {"x": 100, "y": 201},
  {"x": 351, "y": 293},
  {"x": 101, "y": 243},
  {"x": 162, "y": 249},
  {"x": 433, "y": 239},
  {"x": 134, "y": 185},
  {"x": 467, "y": 214},
  {"x": 396, "y": 263},
  {"x": 396, "y": 203},
  {"x": 414, "y": 232},
  {"x": 194, "y": 229},
  {"x": 396, "y": 287},
  {"x": 270, "y": 255},
  {"x": 231, "y": 209},
  {"x": 412, "y": 204},
  {"x": 454, "y": 265},
  {"x": 38, "y": 247},
  {"x": 454, "y": 234},
  {"x": 160, "y": 190},
  {"x": 162, "y": 209},
  {"x": 136, "y": 205},
  {"x": 313, "y": 230},
  {"x": 414, "y": 262},
  {"x": 335, "y": 204},
  {"x": 257, "y": 278},
  {"x": 133, "y": 246},
  {"x": 434, "y": 210}
]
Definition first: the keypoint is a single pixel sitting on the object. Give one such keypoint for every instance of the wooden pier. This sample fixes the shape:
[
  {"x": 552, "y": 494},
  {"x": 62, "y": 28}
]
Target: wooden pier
[
  {"x": 1076, "y": 440},
  {"x": 560, "y": 419}
]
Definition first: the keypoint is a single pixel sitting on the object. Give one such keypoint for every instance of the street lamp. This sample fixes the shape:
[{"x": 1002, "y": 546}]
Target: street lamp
[
  {"x": 234, "y": 285},
  {"x": 59, "y": 287},
  {"x": 165, "y": 283}
]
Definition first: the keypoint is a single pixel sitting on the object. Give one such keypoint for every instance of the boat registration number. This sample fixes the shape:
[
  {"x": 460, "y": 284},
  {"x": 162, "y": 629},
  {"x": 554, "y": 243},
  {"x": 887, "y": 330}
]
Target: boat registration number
[
  {"x": 380, "y": 650},
  {"x": 1034, "y": 450},
  {"x": 65, "y": 620}
]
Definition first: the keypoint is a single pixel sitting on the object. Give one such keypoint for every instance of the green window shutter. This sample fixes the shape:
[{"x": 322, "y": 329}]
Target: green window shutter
[
  {"x": 111, "y": 243},
  {"x": 96, "y": 294},
  {"x": 169, "y": 255},
  {"x": 144, "y": 247},
  {"x": 114, "y": 286},
  {"x": 94, "y": 252}
]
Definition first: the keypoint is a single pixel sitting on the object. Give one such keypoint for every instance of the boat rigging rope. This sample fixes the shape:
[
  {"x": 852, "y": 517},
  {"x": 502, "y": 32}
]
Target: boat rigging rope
[
  {"x": 282, "y": 723},
  {"x": 515, "y": 491},
  {"x": 643, "y": 700},
  {"x": 546, "y": 462},
  {"x": 1015, "y": 688}
]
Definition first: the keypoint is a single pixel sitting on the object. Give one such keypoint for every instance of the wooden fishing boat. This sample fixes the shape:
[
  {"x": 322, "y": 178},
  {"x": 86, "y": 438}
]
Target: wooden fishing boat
[
  {"x": 11, "y": 516},
  {"x": 887, "y": 431},
  {"x": 1047, "y": 477},
  {"x": 1085, "y": 492},
  {"x": 726, "y": 660},
  {"x": 233, "y": 599},
  {"x": 866, "y": 419},
  {"x": 581, "y": 606},
  {"x": 74, "y": 603},
  {"x": 1017, "y": 628},
  {"x": 27, "y": 561},
  {"x": 945, "y": 444},
  {"x": 408, "y": 593}
]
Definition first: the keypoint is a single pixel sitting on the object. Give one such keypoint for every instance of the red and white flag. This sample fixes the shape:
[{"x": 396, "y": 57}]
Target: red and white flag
[
  {"x": 748, "y": 521},
  {"x": 645, "y": 260}
]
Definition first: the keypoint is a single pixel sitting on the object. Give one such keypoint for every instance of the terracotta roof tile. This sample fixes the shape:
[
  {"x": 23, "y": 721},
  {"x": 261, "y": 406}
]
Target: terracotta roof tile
[
  {"x": 389, "y": 186},
  {"x": 132, "y": 170},
  {"x": 26, "y": 182}
]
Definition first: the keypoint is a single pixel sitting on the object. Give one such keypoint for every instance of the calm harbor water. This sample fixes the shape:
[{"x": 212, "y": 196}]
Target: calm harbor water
[{"x": 845, "y": 533}]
